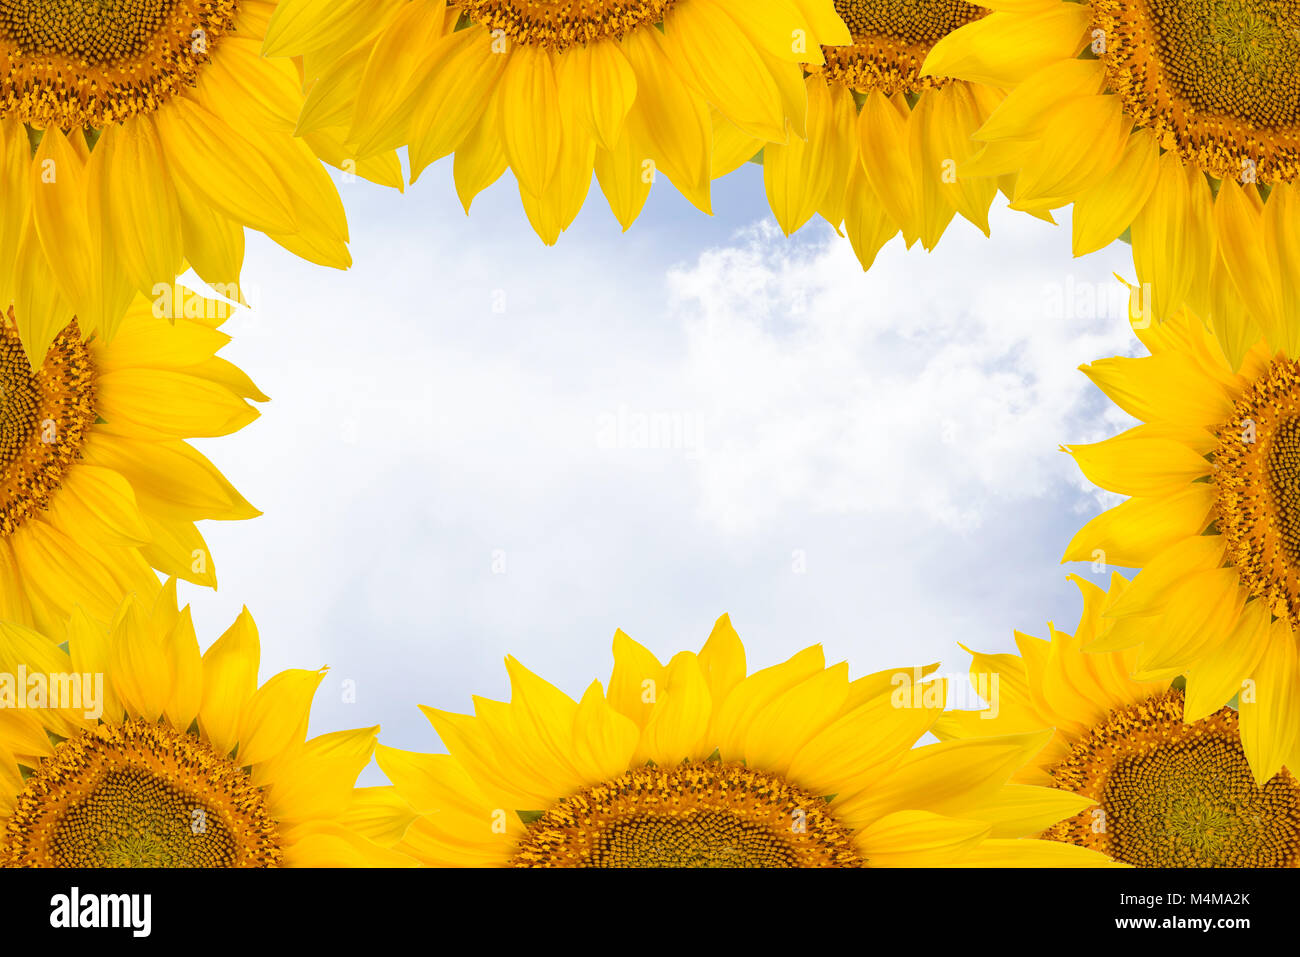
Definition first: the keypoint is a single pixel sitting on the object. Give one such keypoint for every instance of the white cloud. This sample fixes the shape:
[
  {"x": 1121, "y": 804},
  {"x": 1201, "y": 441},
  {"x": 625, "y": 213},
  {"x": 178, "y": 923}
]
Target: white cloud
[
  {"x": 927, "y": 396},
  {"x": 657, "y": 429}
]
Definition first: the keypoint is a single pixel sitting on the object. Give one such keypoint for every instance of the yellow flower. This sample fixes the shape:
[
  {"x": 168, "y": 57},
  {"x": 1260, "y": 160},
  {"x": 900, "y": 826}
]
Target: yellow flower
[
  {"x": 97, "y": 485},
  {"x": 1212, "y": 475},
  {"x": 139, "y": 136},
  {"x": 140, "y": 752},
  {"x": 554, "y": 91},
  {"x": 1178, "y": 123},
  {"x": 884, "y": 142},
  {"x": 696, "y": 764},
  {"x": 1172, "y": 788}
]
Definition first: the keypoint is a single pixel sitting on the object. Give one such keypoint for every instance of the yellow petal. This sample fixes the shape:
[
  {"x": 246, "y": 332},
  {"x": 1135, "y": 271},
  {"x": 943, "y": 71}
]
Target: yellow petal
[
  {"x": 1058, "y": 171},
  {"x": 1132, "y": 465},
  {"x": 276, "y": 716},
  {"x": 222, "y": 168},
  {"x": 1202, "y": 612},
  {"x": 61, "y": 218},
  {"x": 214, "y": 243},
  {"x": 669, "y": 121},
  {"x": 391, "y": 85},
  {"x": 1218, "y": 677},
  {"x": 229, "y": 681},
  {"x": 1282, "y": 243},
  {"x": 732, "y": 148},
  {"x": 161, "y": 403},
  {"x": 866, "y": 223},
  {"x": 1104, "y": 211},
  {"x": 530, "y": 117},
  {"x": 311, "y": 24},
  {"x": 139, "y": 672},
  {"x": 636, "y": 681},
  {"x": 99, "y": 502},
  {"x": 625, "y": 175},
  {"x": 142, "y": 212},
  {"x": 598, "y": 81},
  {"x": 1166, "y": 249},
  {"x": 957, "y": 114},
  {"x": 1148, "y": 594},
  {"x": 480, "y": 158},
  {"x": 797, "y": 175},
  {"x": 181, "y": 650},
  {"x": 603, "y": 740},
  {"x": 734, "y": 716},
  {"x": 678, "y": 728},
  {"x": 944, "y": 778},
  {"x": 846, "y": 756},
  {"x": 999, "y": 852},
  {"x": 919, "y": 839},
  {"x": 1006, "y": 47},
  {"x": 1021, "y": 810},
  {"x": 465, "y": 72},
  {"x": 883, "y": 141},
  {"x": 722, "y": 659},
  {"x": 710, "y": 49},
  {"x": 1135, "y": 531},
  {"x": 1270, "y": 708},
  {"x": 779, "y": 732}
]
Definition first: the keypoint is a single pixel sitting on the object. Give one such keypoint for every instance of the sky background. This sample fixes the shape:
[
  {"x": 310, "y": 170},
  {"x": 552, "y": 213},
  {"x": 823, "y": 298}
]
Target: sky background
[{"x": 479, "y": 446}]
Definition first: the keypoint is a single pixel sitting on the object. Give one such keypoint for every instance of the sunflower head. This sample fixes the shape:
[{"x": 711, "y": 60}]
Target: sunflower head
[
  {"x": 1191, "y": 113},
  {"x": 1257, "y": 478},
  {"x": 1210, "y": 521},
  {"x": 695, "y": 814},
  {"x": 45, "y": 415},
  {"x": 1176, "y": 794},
  {"x": 696, "y": 763},
  {"x": 559, "y": 92},
  {"x": 885, "y": 141},
  {"x": 1167, "y": 771},
  {"x": 139, "y": 794},
  {"x": 139, "y": 139},
  {"x": 1215, "y": 79},
  {"x": 98, "y": 485},
  {"x": 89, "y": 63},
  {"x": 891, "y": 39},
  {"x": 132, "y": 749},
  {"x": 561, "y": 26}
]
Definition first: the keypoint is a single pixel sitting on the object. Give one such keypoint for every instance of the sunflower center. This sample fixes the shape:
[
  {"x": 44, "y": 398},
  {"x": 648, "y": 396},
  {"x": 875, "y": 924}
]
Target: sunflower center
[
  {"x": 1172, "y": 794},
  {"x": 44, "y": 416},
  {"x": 1218, "y": 79},
  {"x": 559, "y": 24},
  {"x": 91, "y": 30},
  {"x": 139, "y": 795},
  {"x": 703, "y": 814},
  {"x": 88, "y": 63},
  {"x": 1257, "y": 480},
  {"x": 891, "y": 39}
]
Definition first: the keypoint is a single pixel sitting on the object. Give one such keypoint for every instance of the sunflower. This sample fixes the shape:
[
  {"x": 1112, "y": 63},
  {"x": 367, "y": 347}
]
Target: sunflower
[
  {"x": 1167, "y": 772},
  {"x": 884, "y": 143},
  {"x": 1213, "y": 472},
  {"x": 696, "y": 764},
  {"x": 555, "y": 91},
  {"x": 97, "y": 485},
  {"x": 1176, "y": 124},
  {"x": 140, "y": 135},
  {"x": 140, "y": 752}
]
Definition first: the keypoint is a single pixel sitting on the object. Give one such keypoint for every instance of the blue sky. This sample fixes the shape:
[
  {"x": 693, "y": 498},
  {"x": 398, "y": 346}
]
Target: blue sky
[{"x": 479, "y": 446}]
